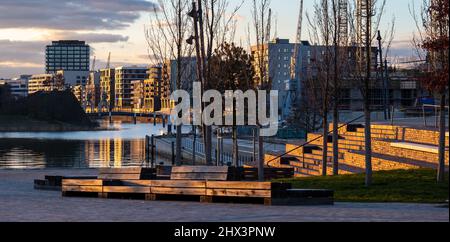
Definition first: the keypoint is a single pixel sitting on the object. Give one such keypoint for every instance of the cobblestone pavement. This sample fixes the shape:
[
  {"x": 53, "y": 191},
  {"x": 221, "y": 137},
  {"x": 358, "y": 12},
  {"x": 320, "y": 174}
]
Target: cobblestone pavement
[{"x": 20, "y": 202}]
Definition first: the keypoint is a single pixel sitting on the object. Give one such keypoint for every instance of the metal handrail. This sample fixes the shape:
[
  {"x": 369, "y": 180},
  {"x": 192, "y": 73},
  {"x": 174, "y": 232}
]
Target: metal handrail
[{"x": 309, "y": 142}]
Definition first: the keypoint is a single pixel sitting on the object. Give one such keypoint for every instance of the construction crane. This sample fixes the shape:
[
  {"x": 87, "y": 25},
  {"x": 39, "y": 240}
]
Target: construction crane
[
  {"x": 298, "y": 40},
  {"x": 293, "y": 84},
  {"x": 108, "y": 62},
  {"x": 343, "y": 22},
  {"x": 361, "y": 32},
  {"x": 93, "y": 64},
  {"x": 269, "y": 26}
]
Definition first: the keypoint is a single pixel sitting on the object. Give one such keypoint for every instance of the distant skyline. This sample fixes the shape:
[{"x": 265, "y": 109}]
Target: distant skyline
[{"x": 27, "y": 26}]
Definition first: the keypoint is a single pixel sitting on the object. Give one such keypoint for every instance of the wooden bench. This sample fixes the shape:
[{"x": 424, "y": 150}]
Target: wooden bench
[
  {"x": 188, "y": 181},
  {"x": 209, "y": 182},
  {"x": 111, "y": 180},
  {"x": 54, "y": 183}
]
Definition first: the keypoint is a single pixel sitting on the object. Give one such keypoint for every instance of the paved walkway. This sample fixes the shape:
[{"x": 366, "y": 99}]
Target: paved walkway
[{"x": 20, "y": 202}]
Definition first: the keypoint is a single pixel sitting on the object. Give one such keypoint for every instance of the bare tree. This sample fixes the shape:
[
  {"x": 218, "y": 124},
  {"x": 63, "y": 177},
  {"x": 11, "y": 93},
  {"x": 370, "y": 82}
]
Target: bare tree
[
  {"x": 366, "y": 17},
  {"x": 216, "y": 24},
  {"x": 321, "y": 34},
  {"x": 433, "y": 28},
  {"x": 260, "y": 15},
  {"x": 166, "y": 35}
]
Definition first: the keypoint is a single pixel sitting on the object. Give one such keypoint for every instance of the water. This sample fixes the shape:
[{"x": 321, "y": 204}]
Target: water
[{"x": 121, "y": 147}]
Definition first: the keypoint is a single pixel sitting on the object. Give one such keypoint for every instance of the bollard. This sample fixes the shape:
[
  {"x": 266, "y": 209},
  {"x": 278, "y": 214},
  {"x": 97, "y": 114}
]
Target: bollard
[
  {"x": 173, "y": 153},
  {"x": 164, "y": 121},
  {"x": 152, "y": 150},
  {"x": 154, "y": 119}
]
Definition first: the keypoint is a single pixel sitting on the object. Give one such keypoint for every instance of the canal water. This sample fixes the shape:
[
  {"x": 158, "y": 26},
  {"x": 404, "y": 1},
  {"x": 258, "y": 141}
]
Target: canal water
[{"x": 122, "y": 146}]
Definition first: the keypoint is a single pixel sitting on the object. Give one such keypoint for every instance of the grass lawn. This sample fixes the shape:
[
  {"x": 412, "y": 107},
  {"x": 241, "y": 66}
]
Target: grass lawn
[{"x": 412, "y": 186}]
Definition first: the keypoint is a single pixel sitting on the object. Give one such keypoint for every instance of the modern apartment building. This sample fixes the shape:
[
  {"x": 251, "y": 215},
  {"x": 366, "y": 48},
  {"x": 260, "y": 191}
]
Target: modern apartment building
[
  {"x": 310, "y": 64},
  {"x": 18, "y": 86},
  {"x": 45, "y": 83},
  {"x": 137, "y": 95},
  {"x": 93, "y": 89},
  {"x": 189, "y": 73},
  {"x": 123, "y": 88},
  {"x": 107, "y": 88},
  {"x": 74, "y": 78},
  {"x": 67, "y": 55}
]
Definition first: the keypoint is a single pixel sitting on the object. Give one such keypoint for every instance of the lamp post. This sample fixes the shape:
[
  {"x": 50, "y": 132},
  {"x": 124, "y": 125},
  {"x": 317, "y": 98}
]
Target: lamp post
[{"x": 384, "y": 79}]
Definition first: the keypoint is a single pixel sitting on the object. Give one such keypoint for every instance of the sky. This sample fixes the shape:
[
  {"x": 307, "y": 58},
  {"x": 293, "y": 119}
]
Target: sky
[{"x": 117, "y": 26}]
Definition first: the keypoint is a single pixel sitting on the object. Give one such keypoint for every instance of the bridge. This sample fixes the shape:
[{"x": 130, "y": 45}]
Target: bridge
[{"x": 163, "y": 115}]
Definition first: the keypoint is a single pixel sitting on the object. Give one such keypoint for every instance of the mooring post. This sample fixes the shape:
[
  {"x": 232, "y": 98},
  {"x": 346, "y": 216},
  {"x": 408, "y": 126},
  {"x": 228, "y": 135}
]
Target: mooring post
[
  {"x": 154, "y": 119},
  {"x": 135, "y": 118},
  {"x": 110, "y": 117},
  {"x": 173, "y": 153},
  {"x": 164, "y": 121},
  {"x": 147, "y": 150},
  {"x": 152, "y": 150},
  {"x": 169, "y": 126}
]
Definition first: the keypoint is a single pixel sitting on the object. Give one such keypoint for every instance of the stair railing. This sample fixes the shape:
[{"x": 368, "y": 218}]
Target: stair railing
[{"x": 309, "y": 142}]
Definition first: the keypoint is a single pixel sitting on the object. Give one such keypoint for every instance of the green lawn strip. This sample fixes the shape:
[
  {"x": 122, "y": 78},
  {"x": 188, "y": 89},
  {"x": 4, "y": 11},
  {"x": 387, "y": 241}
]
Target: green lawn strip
[{"x": 412, "y": 186}]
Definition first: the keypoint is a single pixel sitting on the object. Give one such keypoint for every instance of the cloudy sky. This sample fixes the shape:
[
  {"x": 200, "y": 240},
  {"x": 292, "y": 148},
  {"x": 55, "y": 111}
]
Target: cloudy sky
[{"x": 117, "y": 26}]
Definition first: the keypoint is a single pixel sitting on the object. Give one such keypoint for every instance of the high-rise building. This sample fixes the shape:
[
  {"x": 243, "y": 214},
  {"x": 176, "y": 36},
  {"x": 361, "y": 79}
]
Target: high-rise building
[
  {"x": 123, "y": 87},
  {"x": 67, "y": 55}
]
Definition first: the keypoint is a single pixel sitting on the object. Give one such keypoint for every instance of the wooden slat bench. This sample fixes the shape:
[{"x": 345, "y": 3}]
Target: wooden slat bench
[
  {"x": 126, "y": 173},
  {"x": 188, "y": 181},
  {"x": 54, "y": 183},
  {"x": 86, "y": 186},
  {"x": 207, "y": 184},
  {"x": 110, "y": 181}
]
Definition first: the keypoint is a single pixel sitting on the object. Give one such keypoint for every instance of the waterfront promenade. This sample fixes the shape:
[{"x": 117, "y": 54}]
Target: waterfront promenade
[{"x": 20, "y": 202}]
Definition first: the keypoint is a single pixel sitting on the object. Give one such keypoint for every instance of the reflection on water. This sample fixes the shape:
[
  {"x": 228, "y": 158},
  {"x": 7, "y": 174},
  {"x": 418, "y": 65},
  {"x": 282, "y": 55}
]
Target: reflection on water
[
  {"x": 113, "y": 148},
  {"x": 33, "y": 153}
]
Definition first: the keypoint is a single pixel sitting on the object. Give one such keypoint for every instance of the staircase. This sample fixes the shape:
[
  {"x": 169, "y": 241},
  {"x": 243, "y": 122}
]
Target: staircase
[{"x": 393, "y": 147}]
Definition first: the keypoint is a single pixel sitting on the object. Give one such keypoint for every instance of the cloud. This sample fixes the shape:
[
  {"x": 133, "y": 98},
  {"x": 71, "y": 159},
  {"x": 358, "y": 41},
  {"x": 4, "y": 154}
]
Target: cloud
[
  {"x": 89, "y": 37},
  {"x": 22, "y": 51},
  {"x": 72, "y": 15},
  {"x": 28, "y": 57}
]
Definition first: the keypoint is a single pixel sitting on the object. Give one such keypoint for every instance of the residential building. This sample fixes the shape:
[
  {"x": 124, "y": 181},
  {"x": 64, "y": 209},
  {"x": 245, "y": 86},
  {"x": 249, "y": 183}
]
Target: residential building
[
  {"x": 309, "y": 64},
  {"x": 137, "y": 94},
  {"x": 67, "y": 55},
  {"x": 188, "y": 77},
  {"x": 123, "y": 88},
  {"x": 107, "y": 88},
  {"x": 18, "y": 86},
  {"x": 74, "y": 78},
  {"x": 45, "y": 83},
  {"x": 93, "y": 90}
]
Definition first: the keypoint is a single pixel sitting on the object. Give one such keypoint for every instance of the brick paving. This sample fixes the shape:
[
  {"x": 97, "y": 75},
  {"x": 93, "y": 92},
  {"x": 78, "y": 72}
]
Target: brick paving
[{"x": 20, "y": 202}]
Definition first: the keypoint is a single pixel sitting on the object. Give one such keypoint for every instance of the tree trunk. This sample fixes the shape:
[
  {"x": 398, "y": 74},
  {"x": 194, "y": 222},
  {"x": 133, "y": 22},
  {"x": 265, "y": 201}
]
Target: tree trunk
[
  {"x": 235, "y": 147},
  {"x": 325, "y": 144},
  {"x": 335, "y": 138},
  {"x": 260, "y": 156},
  {"x": 367, "y": 120},
  {"x": 368, "y": 147},
  {"x": 441, "y": 167},
  {"x": 178, "y": 134}
]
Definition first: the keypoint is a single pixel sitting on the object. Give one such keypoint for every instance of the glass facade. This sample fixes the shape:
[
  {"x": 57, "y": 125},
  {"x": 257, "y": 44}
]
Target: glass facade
[{"x": 67, "y": 55}]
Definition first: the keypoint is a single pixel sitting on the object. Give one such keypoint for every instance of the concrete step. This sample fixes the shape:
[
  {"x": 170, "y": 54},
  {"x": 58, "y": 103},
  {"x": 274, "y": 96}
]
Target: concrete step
[{"x": 395, "y": 162}]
